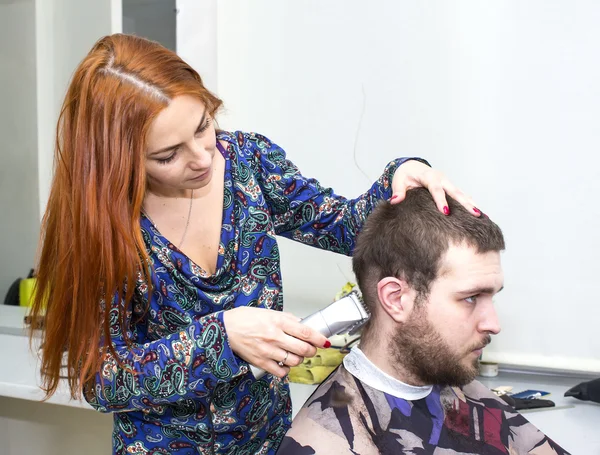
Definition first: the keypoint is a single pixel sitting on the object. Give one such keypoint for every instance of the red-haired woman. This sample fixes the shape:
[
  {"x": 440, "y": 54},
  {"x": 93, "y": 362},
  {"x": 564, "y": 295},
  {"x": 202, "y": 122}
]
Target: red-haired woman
[{"x": 159, "y": 270}]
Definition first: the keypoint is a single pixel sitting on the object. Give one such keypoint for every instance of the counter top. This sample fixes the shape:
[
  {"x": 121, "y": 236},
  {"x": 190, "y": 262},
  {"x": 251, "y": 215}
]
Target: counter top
[
  {"x": 19, "y": 373},
  {"x": 573, "y": 424},
  {"x": 11, "y": 320}
]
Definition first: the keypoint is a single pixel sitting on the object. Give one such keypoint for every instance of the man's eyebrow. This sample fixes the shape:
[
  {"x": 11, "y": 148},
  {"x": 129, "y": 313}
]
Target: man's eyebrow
[
  {"x": 172, "y": 147},
  {"x": 480, "y": 290}
]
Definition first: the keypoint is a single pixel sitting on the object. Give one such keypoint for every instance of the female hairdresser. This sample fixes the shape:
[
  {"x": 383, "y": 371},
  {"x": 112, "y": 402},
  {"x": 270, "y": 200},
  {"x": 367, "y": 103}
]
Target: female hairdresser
[{"x": 159, "y": 263}]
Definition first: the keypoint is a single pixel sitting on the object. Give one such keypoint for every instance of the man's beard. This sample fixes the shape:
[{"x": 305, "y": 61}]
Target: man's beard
[{"x": 419, "y": 348}]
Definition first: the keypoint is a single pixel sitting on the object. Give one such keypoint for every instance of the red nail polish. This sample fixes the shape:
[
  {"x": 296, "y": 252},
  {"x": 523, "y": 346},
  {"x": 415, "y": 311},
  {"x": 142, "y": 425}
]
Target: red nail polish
[
  {"x": 327, "y": 344},
  {"x": 476, "y": 210},
  {"x": 446, "y": 211}
]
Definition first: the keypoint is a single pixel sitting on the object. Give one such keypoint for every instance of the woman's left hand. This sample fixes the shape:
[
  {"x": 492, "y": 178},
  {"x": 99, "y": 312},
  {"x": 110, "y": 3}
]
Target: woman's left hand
[{"x": 414, "y": 174}]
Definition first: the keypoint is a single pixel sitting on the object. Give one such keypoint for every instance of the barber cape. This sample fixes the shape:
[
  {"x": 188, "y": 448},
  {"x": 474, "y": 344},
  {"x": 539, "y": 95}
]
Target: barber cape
[{"x": 360, "y": 410}]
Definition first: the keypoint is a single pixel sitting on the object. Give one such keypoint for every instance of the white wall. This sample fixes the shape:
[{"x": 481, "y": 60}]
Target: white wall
[
  {"x": 66, "y": 31},
  {"x": 197, "y": 37},
  {"x": 502, "y": 96},
  {"x": 19, "y": 221}
]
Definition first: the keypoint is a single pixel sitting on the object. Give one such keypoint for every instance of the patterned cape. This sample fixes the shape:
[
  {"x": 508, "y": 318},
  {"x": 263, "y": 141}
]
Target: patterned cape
[
  {"x": 346, "y": 416},
  {"x": 180, "y": 389}
]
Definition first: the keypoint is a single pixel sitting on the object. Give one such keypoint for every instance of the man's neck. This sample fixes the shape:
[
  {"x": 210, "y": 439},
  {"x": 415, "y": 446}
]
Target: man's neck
[
  {"x": 361, "y": 367},
  {"x": 382, "y": 359}
]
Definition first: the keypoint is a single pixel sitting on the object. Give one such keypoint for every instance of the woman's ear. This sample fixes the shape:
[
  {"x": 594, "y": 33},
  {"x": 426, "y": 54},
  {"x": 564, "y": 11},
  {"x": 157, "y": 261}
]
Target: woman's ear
[{"x": 396, "y": 298}]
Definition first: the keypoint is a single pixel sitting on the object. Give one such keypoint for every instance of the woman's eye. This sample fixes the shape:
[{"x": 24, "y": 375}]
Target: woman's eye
[
  {"x": 168, "y": 159},
  {"x": 203, "y": 128}
]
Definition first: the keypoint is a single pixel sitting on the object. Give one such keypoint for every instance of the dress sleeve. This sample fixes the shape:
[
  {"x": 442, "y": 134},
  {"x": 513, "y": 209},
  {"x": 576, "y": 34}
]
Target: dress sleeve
[
  {"x": 185, "y": 364},
  {"x": 304, "y": 210}
]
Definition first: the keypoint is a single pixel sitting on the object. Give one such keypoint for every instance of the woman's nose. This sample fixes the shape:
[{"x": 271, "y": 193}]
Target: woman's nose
[{"x": 200, "y": 157}]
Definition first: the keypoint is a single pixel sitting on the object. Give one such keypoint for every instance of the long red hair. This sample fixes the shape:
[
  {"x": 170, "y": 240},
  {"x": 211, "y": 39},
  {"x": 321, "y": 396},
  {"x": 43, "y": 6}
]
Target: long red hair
[{"x": 91, "y": 247}]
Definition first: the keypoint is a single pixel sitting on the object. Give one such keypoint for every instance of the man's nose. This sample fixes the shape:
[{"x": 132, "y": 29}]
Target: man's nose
[{"x": 489, "y": 320}]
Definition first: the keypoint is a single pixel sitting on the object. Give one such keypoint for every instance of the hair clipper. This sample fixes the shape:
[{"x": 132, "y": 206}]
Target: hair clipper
[{"x": 346, "y": 315}]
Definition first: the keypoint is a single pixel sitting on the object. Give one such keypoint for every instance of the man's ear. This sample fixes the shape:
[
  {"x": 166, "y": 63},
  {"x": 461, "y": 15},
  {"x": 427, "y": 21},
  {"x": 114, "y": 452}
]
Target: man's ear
[{"x": 396, "y": 298}]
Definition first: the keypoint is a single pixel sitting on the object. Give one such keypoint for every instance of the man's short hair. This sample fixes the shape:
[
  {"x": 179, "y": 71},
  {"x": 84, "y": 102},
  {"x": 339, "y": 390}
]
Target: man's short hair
[{"x": 408, "y": 241}]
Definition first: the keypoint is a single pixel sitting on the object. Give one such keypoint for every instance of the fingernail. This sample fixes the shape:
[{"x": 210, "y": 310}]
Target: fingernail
[
  {"x": 446, "y": 210},
  {"x": 476, "y": 210},
  {"x": 395, "y": 196},
  {"x": 327, "y": 344}
]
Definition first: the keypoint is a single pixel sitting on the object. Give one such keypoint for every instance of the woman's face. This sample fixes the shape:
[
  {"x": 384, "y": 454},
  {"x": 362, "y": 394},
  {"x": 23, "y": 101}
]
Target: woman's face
[{"x": 181, "y": 144}]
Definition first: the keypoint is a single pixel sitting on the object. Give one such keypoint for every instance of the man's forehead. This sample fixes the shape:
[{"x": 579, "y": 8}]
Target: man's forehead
[{"x": 464, "y": 266}]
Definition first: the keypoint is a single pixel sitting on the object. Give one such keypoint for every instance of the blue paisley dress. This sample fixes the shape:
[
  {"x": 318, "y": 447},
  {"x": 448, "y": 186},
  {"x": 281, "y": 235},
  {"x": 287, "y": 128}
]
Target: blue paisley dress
[{"x": 182, "y": 390}]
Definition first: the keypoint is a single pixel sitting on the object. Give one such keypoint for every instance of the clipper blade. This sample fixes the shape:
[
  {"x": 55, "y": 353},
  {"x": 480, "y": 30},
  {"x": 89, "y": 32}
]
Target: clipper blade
[
  {"x": 359, "y": 324},
  {"x": 342, "y": 316}
]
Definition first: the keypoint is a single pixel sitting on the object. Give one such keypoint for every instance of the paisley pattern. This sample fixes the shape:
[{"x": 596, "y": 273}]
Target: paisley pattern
[{"x": 181, "y": 389}]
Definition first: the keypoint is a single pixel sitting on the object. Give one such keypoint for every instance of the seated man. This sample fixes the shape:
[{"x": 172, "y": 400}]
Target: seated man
[{"x": 409, "y": 387}]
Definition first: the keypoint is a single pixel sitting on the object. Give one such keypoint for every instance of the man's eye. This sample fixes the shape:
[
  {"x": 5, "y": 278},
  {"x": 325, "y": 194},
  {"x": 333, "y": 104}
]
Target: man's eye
[{"x": 472, "y": 299}]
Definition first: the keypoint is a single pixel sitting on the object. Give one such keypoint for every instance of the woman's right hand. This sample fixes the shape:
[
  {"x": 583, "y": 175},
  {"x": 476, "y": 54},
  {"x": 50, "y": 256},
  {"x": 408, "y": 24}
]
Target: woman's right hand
[{"x": 265, "y": 337}]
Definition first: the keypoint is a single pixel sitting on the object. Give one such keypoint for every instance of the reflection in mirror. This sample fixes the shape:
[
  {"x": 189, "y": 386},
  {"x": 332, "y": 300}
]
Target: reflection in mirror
[
  {"x": 152, "y": 19},
  {"x": 19, "y": 205}
]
